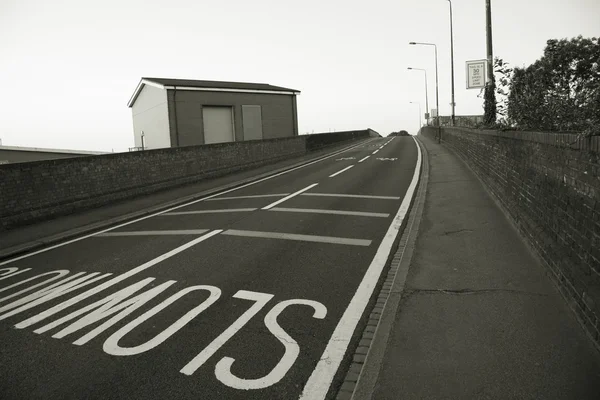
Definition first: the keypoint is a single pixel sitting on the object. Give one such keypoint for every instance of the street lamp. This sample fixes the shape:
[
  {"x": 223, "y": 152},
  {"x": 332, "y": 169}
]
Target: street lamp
[
  {"x": 426, "y": 96},
  {"x": 437, "y": 97},
  {"x": 452, "y": 61},
  {"x": 419, "y": 125}
]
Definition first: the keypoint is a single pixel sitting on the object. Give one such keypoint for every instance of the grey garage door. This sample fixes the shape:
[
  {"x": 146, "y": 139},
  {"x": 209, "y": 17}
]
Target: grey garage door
[
  {"x": 218, "y": 124},
  {"x": 252, "y": 121}
]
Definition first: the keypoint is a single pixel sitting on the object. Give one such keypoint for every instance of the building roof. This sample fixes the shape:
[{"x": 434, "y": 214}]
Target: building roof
[
  {"x": 216, "y": 86},
  {"x": 59, "y": 151}
]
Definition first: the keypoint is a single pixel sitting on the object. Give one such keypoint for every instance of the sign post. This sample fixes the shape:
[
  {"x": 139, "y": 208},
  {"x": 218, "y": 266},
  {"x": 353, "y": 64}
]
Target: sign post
[{"x": 476, "y": 74}]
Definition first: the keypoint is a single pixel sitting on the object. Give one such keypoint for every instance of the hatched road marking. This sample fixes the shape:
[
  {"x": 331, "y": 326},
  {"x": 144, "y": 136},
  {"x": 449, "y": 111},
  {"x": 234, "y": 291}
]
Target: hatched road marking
[
  {"x": 357, "y": 196},
  {"x": 225, "y": 210},
  {"x": 302, "y": 238},
  {"x": 290, "y": 196},
  {"x": 334, "y": 212},
  {"x": 151, "y": 233},
  {"x": 340, "y": 171},
  {"x": 257, "y": 196}
]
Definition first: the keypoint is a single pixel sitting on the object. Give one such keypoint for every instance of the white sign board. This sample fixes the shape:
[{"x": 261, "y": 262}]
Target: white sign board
[
  {"x": 433, "y": 112},
  {"x": 476, "y": 74}
]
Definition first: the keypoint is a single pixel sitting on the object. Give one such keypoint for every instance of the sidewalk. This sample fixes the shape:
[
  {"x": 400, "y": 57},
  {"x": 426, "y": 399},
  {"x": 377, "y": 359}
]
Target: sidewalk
[
  {"x": 478, "y": 317},
  {"x": 46, "y": 233}
]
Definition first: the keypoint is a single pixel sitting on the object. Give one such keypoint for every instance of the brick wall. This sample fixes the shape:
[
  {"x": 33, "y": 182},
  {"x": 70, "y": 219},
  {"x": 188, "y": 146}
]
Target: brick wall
[
  {"x": 35, "y": 191},
  {"x": 550, "y": 186}
]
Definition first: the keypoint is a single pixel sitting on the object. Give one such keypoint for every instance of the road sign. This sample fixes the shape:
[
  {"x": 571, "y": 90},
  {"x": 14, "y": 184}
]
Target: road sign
[
  {"x": 434, "y": 112},
  {"x": 426, "y": 115},
  {"x": 476, "y": 74}
]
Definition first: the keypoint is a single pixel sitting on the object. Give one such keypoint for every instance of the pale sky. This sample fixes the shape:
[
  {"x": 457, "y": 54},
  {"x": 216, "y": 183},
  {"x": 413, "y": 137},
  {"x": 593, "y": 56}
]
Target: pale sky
[{"x": 68, "y": 67}]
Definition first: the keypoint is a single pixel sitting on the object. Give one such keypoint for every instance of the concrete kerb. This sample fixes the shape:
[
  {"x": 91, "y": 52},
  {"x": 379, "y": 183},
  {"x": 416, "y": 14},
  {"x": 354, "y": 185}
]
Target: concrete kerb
[
  {"x": 80, "y": 231},
  {"x": 363, "y": 372}
]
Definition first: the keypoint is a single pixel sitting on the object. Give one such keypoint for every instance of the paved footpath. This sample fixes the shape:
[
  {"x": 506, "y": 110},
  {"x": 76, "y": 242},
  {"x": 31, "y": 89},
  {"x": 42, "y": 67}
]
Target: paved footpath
[
  {"x": 477, "y": 318},
  {"x": 256, "y": 292}
]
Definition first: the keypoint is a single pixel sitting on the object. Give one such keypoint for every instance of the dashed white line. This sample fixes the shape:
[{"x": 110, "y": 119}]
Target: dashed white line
[
  {"x": 302, "y": 238},
  {"x": 363, "y": 159},
  {"x": 223, "y": 210},
  {"x": 333, "y": 212},
  {"x": 375, "y": 152},
  {"x": 290, "y": 196},
  {"x": 156, "y": 233},
  {"x": 258, "y": 196},
  {"x": 340, "y": 171},
  {"x": 357, "y": 196}
]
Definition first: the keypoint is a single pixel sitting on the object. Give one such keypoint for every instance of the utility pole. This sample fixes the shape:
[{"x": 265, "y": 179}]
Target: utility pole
[
  {"x": 488, "y": 26},
  {"x": 452, "y": 62}
]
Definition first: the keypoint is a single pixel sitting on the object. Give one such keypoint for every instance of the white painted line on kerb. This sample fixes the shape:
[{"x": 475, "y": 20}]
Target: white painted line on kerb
[
  {"x": 181, "y": 205},
  {"x": 155, "y": 233},
  {"x": 290, "y": 196},
  {"x": 59, "y": 307},
  {"x": 317, "y": 386},
  {"x": 221, "y": 210},
  {"x": 332, "y": 212},
  {"x": 339, "y": 172},
  {"x": 363, "y": 159},
  {"x": 258, "y": 196},
  {"x": 355, "y": 196},
  {"x": 301, "y": 238}
]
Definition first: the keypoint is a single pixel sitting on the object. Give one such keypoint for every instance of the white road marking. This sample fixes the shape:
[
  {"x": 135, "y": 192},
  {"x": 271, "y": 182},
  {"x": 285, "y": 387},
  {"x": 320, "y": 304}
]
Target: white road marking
[
  {"x": 59, "y": 307},
  {"x": 357, "y": 196},
  {"x": 292, "y": 350},
  {"x": 386, "y": 159},
  {"x": 333, "y": 212},
  {"x": 317, "y": 386},
  {"x": 363, "y": 159},
  {"x": 346, "y": 158},
  {"x": 340, "y": 171},
  {"x": 151, "y": 233},
  {"x": 11, "y": 272},
  {"x": 260, "y": 299},
  {"x": 180, "y": 206},
  {"x": 286, "y": 198},
  {"x": 221, "y": 210},
  {"x": 294, "y": 236},
  {"x": 375, "y": 152},
  {"x": 258, "y": 196},
  {"x": 111, "y": 345}
]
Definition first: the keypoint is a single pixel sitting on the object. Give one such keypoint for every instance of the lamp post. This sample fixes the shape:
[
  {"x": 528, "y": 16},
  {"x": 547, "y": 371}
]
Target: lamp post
[
  {"x": 426, "y": 96},
  {"x": 419, "y": 125},
  {"x": 452, "y": 61},
  {"x": 437, "y": 97}
]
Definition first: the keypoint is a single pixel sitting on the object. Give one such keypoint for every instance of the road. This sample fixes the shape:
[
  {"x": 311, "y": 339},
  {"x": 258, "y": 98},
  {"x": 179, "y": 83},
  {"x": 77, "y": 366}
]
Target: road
[{"x": 252, "y": 293}]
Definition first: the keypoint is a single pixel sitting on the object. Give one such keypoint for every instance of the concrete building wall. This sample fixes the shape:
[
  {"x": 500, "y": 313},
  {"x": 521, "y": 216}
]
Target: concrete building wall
[
  {"x": 150, "y": 114},
  {"x": 279, "y": 117}
]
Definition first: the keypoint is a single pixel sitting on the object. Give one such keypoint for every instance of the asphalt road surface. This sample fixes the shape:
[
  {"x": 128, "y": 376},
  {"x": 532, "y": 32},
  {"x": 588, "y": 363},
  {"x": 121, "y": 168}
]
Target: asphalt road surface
[{"x": 254, "y": 293}]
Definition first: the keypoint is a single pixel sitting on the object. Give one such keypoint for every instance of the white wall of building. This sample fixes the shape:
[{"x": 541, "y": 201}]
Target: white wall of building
[{"x": 151, "y": 115}]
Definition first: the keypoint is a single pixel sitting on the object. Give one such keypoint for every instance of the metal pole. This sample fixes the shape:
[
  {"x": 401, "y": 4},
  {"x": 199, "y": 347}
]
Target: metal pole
[
  {"x": 426, "y": 97},
  {"x": 488, "y": 25},
  {"x": 452, "y": 61},
  {"x": 437, "y": 97}
]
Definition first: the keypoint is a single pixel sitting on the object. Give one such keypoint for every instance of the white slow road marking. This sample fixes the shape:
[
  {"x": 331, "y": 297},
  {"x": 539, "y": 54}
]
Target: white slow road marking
[
  {"x": 340, "y": 171},
  {"x": 257, "y": 196},
  {"x": 181, "y": 205},
  {"x": 363, "y": 159},
  {"x": 290, "y": 196},
  {"x": 152, "y": 233},
  {"x": 333, "y": 212},
  {"x": 221, "y": 210},
  {"x": 302, "y": 238},
  {"x": 357, "y": 196},
  {"x": 317, "y": 386},
  {"x": 59, "y": 307}
]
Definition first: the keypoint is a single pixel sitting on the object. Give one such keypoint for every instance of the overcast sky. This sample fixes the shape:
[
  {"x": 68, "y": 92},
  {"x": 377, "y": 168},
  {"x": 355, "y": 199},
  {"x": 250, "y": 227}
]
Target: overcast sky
[{"x": 68, "y": 67}]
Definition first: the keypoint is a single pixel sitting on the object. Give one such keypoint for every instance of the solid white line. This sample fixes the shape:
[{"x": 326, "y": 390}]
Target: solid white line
[
  {"x": 181, "y": 205},
  {"x": 223, "y": 210},
  {"x": 290, "y": 196},
  {"x": 363, "y": 159},
  {"x": 59, "y": 307},
  {"x": 152, "y": 233},
  {"x": 375, "y": 152},
  {"x": 333, "y": 212},
  {"x": 302, "y": 238},
  {"x": 318, "y": 384},
  {"x": 356, "y": 196},
  {"x": 258, "y": 196},
  {"x": 339, "y": 172}
]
